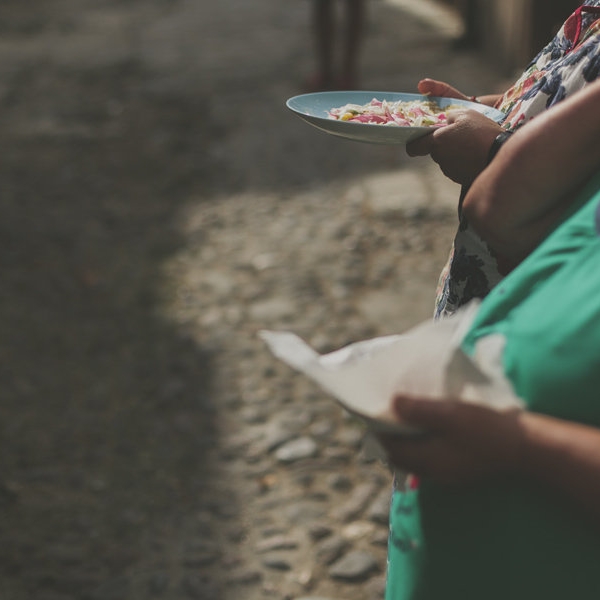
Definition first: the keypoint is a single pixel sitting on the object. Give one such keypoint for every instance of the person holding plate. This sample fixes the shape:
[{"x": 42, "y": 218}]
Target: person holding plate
[
  {"x": 506, "y": 505},
  {"x": 567, "y": 64}
]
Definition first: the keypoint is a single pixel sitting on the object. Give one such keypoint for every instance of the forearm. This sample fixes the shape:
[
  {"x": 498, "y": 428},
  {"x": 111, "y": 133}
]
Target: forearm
[
  {"x": 563, "y": 456},
  {"x": 489, "y": 99},
  {"x": 527, "y": 187},
  {"x": 467, "y": 442},
  {"x": 433, "y": 87}
]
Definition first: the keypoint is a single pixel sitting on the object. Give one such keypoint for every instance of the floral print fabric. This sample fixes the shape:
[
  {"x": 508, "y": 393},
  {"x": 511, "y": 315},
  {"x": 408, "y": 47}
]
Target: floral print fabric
[{"x": 568, "y": 63}]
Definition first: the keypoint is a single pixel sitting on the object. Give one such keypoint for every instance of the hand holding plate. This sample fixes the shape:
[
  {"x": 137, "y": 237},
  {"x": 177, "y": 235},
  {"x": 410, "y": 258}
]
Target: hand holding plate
[
  {"x": 460, "y": 148},
  {"x": 315, "y": 109}
]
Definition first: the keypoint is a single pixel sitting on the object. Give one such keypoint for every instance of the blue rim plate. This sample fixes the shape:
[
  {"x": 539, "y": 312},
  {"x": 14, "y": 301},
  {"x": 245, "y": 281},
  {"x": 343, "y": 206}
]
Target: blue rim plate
[{"x": 313, "y": 108}]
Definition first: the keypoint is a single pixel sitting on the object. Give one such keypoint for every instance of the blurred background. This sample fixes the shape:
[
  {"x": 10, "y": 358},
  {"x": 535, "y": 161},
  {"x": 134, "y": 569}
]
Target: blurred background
[{"x": 160, "y": 205}]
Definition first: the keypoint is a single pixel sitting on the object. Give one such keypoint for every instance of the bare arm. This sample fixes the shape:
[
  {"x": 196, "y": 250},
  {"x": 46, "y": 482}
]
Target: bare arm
[
  {"x": 523, "y": 193},
  {"x": 432, "y": 87},
  {"x": 460, "y": 148},
  {"x": 565, "y": 457},
  {"x": 465, "y": 442}
]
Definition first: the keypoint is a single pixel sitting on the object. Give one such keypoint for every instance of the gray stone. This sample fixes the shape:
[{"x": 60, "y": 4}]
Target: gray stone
[
  {"x": 337, "y": 454},
  {"x": 253, "y": 415},
  {"x": 357, "y": 502},
  {"x": 272, "y": 531},
  {"x": 303, "y": 447},
  {"x": 278, "y": 562},
  {"x": 321, "y": 429},
  {"x": 278, "y": 542},
  {"x": 300, "y": 513},
  {"x": 380, "y": 537},
  {"x": 355, "y": 566},
  {"x": 245, "y": 576},
  {"x": 318, "y": 531},
  {"x": 351, "y": 436},
  {"x": 277, "y": 435},
  {"x": 296, "y": 418},
  {"x": 330, "y": 549},
  {"x": 272, "y": 310},
  {"x": 375, "y": 587},
  {"x": 358, "y": 530},
  {"x": 339, "y": 482},
  {"x": 379, "y": 510}
]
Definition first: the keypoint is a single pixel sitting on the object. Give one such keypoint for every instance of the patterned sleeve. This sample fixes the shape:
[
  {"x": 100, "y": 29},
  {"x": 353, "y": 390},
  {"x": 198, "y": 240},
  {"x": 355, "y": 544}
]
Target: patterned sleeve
[{"x": 568, "y": 63}]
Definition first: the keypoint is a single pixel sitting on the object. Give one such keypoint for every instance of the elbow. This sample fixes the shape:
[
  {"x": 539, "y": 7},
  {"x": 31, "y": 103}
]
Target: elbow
[
  {"x": 481, "y": 216},
  {"x": 487, "y": 216}
]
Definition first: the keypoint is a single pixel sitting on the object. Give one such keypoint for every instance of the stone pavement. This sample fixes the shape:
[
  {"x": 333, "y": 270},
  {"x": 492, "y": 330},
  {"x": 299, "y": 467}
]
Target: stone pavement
[
  {"x": 161, "y": 206},
  {"x": 334, "y": 240}
]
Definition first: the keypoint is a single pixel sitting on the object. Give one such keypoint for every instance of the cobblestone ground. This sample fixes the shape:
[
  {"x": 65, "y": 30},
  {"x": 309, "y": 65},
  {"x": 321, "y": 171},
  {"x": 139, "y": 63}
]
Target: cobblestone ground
[{"x": 159, "y": 206}]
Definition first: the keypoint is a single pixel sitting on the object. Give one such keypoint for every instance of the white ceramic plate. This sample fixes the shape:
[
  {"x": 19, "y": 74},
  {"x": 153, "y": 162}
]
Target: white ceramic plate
[{"x": 313, "y": 108}]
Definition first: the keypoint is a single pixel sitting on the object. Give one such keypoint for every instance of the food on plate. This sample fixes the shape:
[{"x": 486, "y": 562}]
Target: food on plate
[{"x": 411, "y": 113}]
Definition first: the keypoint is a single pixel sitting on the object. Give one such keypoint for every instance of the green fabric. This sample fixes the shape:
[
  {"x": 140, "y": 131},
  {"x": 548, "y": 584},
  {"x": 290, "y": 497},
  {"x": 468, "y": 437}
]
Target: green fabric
[{"x": 509, "y": 540}]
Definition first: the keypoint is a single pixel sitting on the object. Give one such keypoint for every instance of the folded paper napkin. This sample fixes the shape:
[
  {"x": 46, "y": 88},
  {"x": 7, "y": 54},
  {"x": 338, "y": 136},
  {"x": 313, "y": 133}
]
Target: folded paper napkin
[{"x": 426, "y": 361}]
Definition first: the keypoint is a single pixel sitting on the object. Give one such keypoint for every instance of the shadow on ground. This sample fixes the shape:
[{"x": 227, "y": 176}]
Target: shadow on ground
[
  {"x": 115, "y": 116},
  {"x": 106, "y": 408}
]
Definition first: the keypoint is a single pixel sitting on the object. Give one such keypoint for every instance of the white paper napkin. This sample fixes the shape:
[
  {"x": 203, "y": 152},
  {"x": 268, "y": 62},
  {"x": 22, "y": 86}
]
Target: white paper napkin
[{"x": 426, "y": 361}]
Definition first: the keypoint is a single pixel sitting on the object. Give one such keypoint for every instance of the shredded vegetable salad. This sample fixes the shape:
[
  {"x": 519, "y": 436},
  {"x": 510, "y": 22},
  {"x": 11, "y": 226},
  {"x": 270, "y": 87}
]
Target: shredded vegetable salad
[{"x": 412, "y": 113}]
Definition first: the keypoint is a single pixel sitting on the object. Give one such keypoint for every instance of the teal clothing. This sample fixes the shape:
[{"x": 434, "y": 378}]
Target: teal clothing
[{"x": 509, "y": 540}]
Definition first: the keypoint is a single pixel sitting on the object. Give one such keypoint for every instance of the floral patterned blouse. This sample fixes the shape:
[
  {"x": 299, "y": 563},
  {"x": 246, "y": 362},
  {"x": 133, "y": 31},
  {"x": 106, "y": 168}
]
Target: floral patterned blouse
[{"x": 568, "y": 63}]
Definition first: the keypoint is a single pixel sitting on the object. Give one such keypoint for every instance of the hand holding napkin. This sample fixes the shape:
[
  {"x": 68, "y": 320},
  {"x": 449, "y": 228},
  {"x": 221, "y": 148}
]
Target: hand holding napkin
[{"x": 426, "y": 361}]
